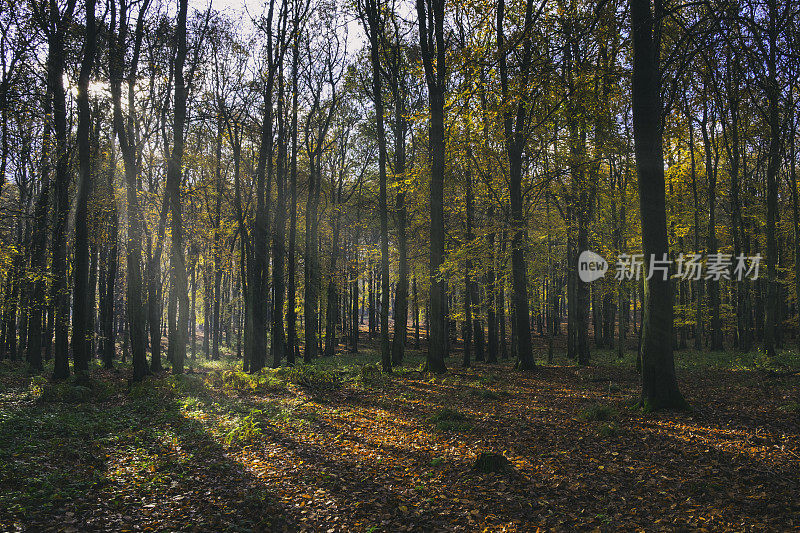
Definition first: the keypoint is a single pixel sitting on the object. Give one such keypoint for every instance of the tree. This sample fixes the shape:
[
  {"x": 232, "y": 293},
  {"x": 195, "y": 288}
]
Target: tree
[
  {"x": 322, "y": 79},
  {"x": 54, "y": 21},
  {"x": 117, "y": 49},
  {"x": 81, "y": 325},
  {"x": 397, "y": 74},
  {"x": 659, "y": 385},
  {"x": 374, "y": 26},
  {"x": 174, "y": 177},
  {"x": 515, "y": 124},
  {"x": 431, "y": 16}
]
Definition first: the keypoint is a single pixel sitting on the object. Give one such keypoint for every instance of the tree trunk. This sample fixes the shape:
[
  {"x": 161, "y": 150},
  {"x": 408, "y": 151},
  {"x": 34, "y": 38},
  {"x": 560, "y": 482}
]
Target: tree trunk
[
  {"x": 432, "y": 46},
  {"x": 60, "y": 287},
  {"x": 659, "y": 385},
  {"x": 291, "y": 318},
  {"x": 39, "y": 251},
  {"x": 311, "y": 267},
  {"x": 135, "y": 311},
  {"x": 514, "y": 122},
  {"x": 107, "y": 298},
  {"x": 373, "y": 12},
  {"x": 401, "y": 292},
  {"x": 773, "y": 163},
  {"x": 81, "y": 321},
  {"x": 711, "y": 176},
  {"x": 700, "y": 284},
  {"x": 278, "y": 345},
  {"x": 177, "y": 340}
]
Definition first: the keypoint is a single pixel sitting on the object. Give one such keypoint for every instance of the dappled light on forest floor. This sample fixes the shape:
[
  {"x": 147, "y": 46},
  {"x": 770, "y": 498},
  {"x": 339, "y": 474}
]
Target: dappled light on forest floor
[{"x": 344, "y": 448}]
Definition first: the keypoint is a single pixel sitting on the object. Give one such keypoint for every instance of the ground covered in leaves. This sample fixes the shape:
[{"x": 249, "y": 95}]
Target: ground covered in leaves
[{"x": 340, "y": 447}]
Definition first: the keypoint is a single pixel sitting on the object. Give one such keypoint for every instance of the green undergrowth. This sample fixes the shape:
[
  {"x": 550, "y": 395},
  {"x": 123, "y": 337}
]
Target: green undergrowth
[
  {"x": 447, "y": 419},
  {"x": 598, "y": 413},
  {"x": 787, "y": 359}
]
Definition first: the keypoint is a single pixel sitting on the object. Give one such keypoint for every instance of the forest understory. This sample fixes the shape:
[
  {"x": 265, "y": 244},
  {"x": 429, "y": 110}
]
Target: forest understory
[{"x": 339, "y": 446}]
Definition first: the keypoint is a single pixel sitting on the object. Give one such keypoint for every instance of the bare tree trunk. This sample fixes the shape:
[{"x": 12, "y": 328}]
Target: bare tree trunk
[
  {"x": 711, "y": 176},
  {"x": 39, "y": 251},
  {"x": 373, "y": 24},
  {"x": 514, "y": 122},
  {"x": 135, "y": 311},
  {"x": 773, "y": 163},
  {"x": 60, "y": 286},
  {"x": 432, "y": 46},
  {"x": 659, "y": 385},
  {"x": 291, "y": 316},
  {"x": 491, "y": 299},
  {"x": 215, "y": 326},
  {"x": 700, "y": 285},
  {"x": 81, "y": 322},
  {"x": 278, "y": 346},
  {"x": 177, "y": 340}
]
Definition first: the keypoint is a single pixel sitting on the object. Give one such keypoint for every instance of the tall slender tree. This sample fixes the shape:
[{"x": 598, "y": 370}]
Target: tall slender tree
[
  {"x": 431, "y": 18},
  {"x": 659, "y": 384},
  {"x": 81, "y": 313}
]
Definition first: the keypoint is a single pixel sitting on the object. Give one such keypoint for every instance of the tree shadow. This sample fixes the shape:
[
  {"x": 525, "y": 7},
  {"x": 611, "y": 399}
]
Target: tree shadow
[{"x": 134, "y": 463}]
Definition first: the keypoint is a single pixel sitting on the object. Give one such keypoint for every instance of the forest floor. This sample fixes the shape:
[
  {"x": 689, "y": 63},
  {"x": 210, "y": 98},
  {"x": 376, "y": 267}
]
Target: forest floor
[{"x": 340, "y": 447}]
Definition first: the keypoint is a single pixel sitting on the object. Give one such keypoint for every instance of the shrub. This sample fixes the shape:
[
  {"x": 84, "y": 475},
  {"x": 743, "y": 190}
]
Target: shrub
[
  {"x": 181, "y": 385},
  {"x": 246, "y": 430},
  {"x": 489, "y": 379},
  {"x": 78, "y": 388},
  {"x": 37, "y": 385},
  {"x": 313, "y": 378},
  {"x": 265, "y": 380},
  {"x": 371, "y": 376}
]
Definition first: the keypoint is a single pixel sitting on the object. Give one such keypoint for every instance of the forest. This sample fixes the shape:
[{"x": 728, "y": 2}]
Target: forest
[{"x": 383, "y": 265}]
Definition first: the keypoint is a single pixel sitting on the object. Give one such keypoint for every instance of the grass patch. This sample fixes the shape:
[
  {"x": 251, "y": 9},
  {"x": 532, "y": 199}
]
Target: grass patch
[
  {"x": 450, "y": 420},
  {"x": 598, "y": 413},
  {"x": 489, "y": 379},
  {"x": 608, "y": 430},
  {"x": 487, "y": 394}
]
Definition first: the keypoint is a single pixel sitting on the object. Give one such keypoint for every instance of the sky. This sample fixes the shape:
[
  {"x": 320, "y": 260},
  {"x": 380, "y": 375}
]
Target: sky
[{"x": 245, "y": 10}]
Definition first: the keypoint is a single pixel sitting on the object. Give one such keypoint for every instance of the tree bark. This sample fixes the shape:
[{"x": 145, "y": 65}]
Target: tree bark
[
  {"x": 432, "y": 46},
  {"x": 659, "y": 385},
  {"x": 773, "y": 163},
  {"x": 291, "y": 315},
  {"x": 179, "y": 286},
  {"x": 135, "y": 311},
  {"x": 81, "y": 322},
  {"x": 514, "y": 122},
  {"x": 57, "y": 33}
]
